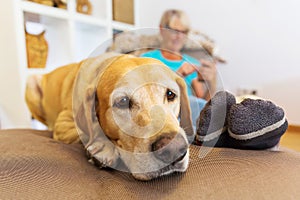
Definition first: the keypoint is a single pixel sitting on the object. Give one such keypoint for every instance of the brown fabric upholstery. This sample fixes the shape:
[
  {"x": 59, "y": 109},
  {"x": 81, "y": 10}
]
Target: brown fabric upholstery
[{"x": 34, "y": 166}]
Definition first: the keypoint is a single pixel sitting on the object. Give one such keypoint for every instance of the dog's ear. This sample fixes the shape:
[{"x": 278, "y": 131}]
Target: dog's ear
[
  {"x": 85, "y": 117},
  {"x": 185, "y": 111}
]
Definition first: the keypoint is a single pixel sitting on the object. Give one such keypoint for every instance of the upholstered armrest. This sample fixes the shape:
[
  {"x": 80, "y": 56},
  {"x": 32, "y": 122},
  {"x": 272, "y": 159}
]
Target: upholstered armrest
[{"x": 34, "y": 166}]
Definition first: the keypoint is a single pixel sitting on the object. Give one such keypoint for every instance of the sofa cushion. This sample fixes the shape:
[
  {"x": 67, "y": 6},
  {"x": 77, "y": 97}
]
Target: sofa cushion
[
  {"x": 34, "y": 166},
  {"x": 198, "y": 45}
]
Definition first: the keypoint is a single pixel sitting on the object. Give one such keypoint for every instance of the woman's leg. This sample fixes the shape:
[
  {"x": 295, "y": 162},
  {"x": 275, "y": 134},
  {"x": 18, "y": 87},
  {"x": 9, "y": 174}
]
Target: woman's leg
[{"x": 196, "y": 104}]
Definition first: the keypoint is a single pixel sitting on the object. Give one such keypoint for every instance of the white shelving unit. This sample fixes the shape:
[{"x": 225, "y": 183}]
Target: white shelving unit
[{"x": 71, "y": 36}]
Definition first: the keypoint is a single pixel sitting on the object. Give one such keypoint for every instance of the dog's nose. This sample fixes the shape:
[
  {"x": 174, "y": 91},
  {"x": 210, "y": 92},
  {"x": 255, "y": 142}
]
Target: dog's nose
[{"x": 169, "y": 148}]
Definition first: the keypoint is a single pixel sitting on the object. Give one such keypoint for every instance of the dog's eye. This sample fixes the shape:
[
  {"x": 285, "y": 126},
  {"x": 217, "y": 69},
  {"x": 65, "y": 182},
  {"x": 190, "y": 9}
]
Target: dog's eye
[
  {"x": 123, "y": 103},
  {"x": 170, "y": 95}
]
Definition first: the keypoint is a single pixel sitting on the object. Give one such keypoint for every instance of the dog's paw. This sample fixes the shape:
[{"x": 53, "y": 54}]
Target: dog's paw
[
  {"x": 256, "y": 124},
  {"x": 103, "y": 154},
  {"x": 212, "y": 122}
]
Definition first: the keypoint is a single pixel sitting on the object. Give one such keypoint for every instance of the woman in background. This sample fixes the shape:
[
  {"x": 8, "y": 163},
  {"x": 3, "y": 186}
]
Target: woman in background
[{"x": 199, "y": 75}]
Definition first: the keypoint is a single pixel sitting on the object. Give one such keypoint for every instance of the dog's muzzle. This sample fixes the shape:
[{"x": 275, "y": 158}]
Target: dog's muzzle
[{"x": 170, "y": 149}]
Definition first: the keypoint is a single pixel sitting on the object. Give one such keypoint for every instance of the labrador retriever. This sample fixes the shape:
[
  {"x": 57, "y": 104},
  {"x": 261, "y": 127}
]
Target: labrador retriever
[{"x": 139, "y": 105}]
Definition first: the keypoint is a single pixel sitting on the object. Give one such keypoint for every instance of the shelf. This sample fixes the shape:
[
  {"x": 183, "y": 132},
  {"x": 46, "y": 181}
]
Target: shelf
[
  {"x": 34, "y": 71},
  {"x": 44, "y": 10},
  {"x": 87, "y": 40},
  {"x": 122, "y": 26},
  {"x": 71, "y": 36},
  {"x": 90, "y": 20},
  {"x": 100, "y": 8}
]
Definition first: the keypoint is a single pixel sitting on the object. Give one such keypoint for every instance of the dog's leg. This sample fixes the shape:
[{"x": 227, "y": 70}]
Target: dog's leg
[
  {"x": 103, "y": 153},
  {"x": 33, "y": 97},
  {"x": 64, "y": 129}
]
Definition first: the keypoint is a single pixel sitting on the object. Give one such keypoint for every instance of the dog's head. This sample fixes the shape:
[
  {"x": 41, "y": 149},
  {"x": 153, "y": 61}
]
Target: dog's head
[
  {"x": 142, "y": 107},
  {"x": 140, "y": 102}
]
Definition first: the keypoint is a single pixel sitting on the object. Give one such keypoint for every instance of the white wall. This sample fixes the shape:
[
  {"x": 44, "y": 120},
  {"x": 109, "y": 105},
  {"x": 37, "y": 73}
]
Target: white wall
[
  {"x": 260, "y": 39},
  {"x": 12, "y": 104}
]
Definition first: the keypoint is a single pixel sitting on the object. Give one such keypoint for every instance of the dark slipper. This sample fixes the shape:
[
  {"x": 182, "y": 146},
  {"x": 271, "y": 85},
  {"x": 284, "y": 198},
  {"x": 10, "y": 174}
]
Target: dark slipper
[
  {"x": 212, "y": 122},
  {"x": 255, "y": 124}
]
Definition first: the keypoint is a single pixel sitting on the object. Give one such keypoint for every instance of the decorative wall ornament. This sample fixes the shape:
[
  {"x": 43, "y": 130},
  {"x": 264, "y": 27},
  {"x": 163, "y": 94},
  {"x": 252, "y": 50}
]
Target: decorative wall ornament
[
  {"x": 84, "y": 6},
  {"x": 36, "y": 45}
]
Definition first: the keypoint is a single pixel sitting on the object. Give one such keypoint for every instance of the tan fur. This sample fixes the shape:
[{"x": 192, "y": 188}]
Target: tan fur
[{"x": 49, "y": 98}]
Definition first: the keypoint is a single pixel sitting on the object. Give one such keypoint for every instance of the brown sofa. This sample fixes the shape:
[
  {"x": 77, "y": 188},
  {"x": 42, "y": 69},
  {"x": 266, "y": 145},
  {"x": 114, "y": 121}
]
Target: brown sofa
[{"x": 34, "y": 166}]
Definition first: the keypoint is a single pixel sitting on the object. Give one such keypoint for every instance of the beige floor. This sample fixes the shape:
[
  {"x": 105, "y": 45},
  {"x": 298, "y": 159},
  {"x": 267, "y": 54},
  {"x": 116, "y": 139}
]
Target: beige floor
[{"x": 291, "y": 139}]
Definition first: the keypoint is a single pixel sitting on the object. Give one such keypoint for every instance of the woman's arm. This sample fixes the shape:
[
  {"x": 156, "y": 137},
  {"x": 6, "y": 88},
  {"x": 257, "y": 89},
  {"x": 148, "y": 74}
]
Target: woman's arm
[{"x": 205, "y": 85}]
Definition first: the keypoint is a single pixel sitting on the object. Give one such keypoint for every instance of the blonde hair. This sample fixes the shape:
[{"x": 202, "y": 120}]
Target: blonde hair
[{"x": 169, "y": 15}]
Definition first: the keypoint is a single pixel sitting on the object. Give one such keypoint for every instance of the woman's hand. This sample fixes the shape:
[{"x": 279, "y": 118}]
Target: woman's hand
[
  {"x": 207, "y": 71},
  {"x": 186, "y": 69},
  {"x": 205, "y": 86}
]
